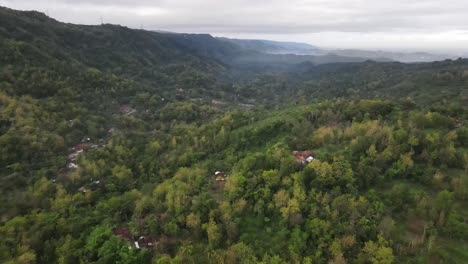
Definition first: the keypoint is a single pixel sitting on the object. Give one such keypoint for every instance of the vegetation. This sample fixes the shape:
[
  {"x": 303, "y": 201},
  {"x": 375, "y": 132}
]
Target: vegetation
[{"x": 156, "y": 119}]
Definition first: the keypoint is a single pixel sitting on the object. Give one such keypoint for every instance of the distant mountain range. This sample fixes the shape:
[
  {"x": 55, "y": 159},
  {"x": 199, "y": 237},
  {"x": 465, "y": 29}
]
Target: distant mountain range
[
  {"x": 278, "y": 47},
  {"x": 395, "y": 56}
]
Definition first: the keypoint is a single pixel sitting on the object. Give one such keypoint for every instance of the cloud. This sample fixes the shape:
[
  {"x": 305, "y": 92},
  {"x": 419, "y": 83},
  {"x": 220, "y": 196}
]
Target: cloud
[{"x": 278, "y": 18}]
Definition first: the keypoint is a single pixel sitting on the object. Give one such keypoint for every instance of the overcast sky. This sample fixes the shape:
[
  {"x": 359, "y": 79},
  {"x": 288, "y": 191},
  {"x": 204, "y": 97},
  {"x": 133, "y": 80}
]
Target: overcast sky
[{"x": 426, "y": 25}]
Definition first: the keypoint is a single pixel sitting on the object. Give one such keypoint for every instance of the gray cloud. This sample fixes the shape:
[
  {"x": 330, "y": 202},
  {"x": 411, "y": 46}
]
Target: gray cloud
[{"x": 431, "y": 24}]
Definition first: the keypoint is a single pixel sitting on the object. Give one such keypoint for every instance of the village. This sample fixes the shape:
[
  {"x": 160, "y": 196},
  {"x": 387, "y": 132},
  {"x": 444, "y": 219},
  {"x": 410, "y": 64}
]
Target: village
[
  {"x": 86, "y": 144},
  {"x": 220, "y": 178}
]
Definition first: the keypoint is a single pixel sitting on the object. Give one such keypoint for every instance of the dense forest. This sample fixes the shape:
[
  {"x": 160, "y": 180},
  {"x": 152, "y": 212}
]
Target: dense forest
[{"x": 130, "y": 146}]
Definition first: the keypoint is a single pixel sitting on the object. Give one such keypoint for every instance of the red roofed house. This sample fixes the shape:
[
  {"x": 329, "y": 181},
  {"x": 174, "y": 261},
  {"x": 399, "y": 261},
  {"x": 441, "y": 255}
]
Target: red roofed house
[
  {"x": 81, "y": 147},
  {"x": 123, "y": 232},
  {"x": 303, "y": 156},
  {"x": 145, "y": 242}
]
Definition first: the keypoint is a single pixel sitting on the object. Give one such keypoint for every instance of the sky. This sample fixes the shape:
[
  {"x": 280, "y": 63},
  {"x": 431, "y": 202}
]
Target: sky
[{"x": 405, "y": 25}]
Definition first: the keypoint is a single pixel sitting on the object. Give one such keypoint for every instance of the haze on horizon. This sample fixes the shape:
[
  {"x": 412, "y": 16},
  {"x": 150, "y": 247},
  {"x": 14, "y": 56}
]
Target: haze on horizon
[{"x": 418, "y": 25}]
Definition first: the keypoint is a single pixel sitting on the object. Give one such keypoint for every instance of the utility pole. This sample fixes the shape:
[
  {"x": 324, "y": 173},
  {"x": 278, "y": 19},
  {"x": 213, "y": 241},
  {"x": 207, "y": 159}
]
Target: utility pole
[{"x": 102, "y": 21}]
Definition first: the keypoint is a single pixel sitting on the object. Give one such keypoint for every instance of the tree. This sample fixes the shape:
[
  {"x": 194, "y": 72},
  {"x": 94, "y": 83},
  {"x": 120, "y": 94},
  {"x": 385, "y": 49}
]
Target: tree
[
  {"x": 123, "y": 176},
  {"x": 240, "y": 253},
  {"x": 214, "y": 234},
  {"x": 68, "y": 252},
  {"x": 194, "y": 223},
  {"x": 442, "y": 206},
  {"x": 376, "y": 252}
]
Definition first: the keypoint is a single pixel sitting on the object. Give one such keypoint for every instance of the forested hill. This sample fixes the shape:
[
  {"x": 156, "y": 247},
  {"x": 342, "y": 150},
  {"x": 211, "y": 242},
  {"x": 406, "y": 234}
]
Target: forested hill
[
  {"x": 109, "y": 46},
  {"x": 135, "y": 54},
  {"x": 128, "y": 146},
  {"x": 425, "y": 82}
]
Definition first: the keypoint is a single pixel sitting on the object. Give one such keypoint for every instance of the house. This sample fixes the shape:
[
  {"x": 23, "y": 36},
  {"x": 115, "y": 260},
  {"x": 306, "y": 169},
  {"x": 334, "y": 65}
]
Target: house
[
  {"x": 75, "y": 154},
  {"x": 180, "y": 93},
  {"x": 126, "y": 110},
  {"x": 216, "y": 102},
  {"x": 246, "y": 105},
  {"x": 81, "y": 147},
  {"x": 145, "y": 242},
  {"x": 72, "y": 165},
  {"x": 220, "y": 176},
  {"x": 141, "y": 242},
  {"x": 73, "y": 157},
  {"x": 303, "y": 157},
  {"x": 123, "y": 232}
]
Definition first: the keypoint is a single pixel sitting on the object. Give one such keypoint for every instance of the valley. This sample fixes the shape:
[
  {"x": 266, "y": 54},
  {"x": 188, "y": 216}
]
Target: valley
[{"x": 196, "y": 149}]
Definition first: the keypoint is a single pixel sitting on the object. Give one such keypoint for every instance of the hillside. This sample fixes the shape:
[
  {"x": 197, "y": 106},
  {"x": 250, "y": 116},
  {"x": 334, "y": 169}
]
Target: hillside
[
  {"x": 129, "y": 146},
  {"x": 424, "y": 82}
]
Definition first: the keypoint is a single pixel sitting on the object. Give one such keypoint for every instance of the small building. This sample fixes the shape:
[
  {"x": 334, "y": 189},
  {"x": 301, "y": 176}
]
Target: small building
[
  {"x": 72, "y": 165},
  {"x": 145, "y": 242},
  {"x": 122, "y": 232},
  {"x": 246, "y": 105},
  {"x": 303, "y": 157},
  {"x": 126, "y": 110},
  {"x": 220, "y": 176},
  {"x": 81, "y": 147},
  {"x": 140, "y": 243},
  {"x": 216, "y": 102}
]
